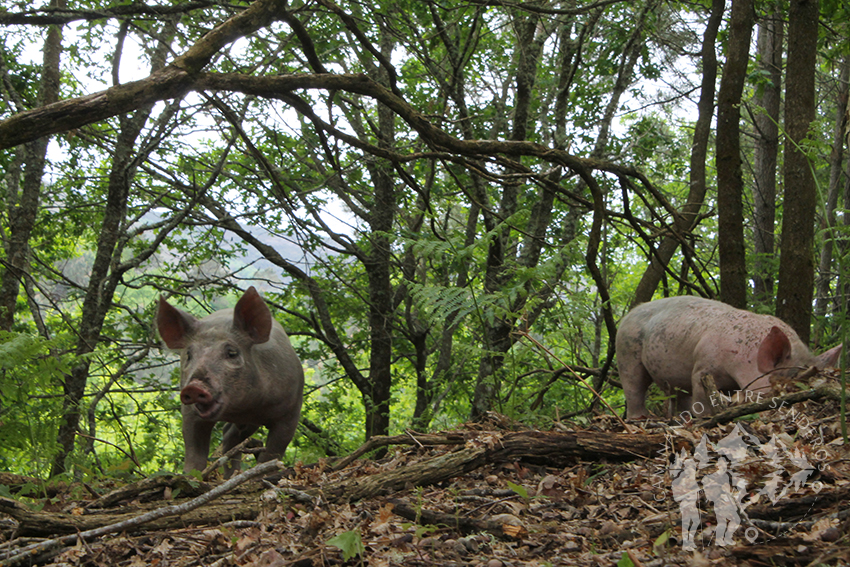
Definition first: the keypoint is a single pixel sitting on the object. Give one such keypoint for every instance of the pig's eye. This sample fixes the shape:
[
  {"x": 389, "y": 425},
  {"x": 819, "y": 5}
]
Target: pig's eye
[
  {"x": 188, "y": 355},
  {"x": 231, "y": 353}
]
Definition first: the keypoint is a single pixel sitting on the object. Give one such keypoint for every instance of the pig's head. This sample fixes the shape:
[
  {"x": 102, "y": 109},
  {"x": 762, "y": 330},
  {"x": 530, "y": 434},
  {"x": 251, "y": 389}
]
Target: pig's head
[
  {"x": 779, "y": 354},
  {"x": 828, "y": 359},
  {"x": 215, "y": 352}
]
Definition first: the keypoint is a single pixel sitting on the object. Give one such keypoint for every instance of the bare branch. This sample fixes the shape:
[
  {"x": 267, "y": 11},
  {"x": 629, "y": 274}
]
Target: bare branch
[
  {"x": 51, "y": 16},
  {"x": 24, "y": 554}
]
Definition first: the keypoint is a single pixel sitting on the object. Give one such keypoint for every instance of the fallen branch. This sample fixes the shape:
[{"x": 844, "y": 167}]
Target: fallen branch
[
  {"x": 461, "y": 523},
  {"x": 188, "y": 486},
  {"x": 409, "y": 438},
  {"x": 25, "y": 553},
  {"x": 222, "y": 460},
  {"x": 828, "y": 391}
]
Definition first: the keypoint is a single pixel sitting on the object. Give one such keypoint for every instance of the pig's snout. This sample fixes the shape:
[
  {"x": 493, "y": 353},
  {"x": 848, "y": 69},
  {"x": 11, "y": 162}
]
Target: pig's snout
[
  {"x": 205, "y": 403},
  {"x": 194, "y": 394}
]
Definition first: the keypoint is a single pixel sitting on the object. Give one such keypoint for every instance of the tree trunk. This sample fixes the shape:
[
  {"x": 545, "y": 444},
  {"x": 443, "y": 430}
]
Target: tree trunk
[
  {"x": 430, "y": 391},
  {"x": 98, "y": 297},
  {"x": 843, "y": 284},
  {"x": 377, "y": 398},
  {"x": 378, "y": 270},
  {"x": 427, "y": 395},
  {"x": 23, "y": 207},
  {"x": 497, "y": 332},
  {"x": 105, "y": 272},
  {"x": 687, "y": 220},
  {"x": 499, "y": 336},
  {"x": 730, "y": 183},
  {"x": 836, "y": 166},
  {"x": 770, "y": 38},
  {"x": 796, "y": 260}
]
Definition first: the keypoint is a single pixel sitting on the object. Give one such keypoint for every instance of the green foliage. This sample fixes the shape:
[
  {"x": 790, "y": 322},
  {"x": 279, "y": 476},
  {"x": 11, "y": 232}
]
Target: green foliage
[
  {"x": 659, "y": 546},
  {"x": 419, "y": 530},
  {"x": 519, "y": 489},
  {"x": 30, "y": 371},
  {"x": 350, "y": 543}
]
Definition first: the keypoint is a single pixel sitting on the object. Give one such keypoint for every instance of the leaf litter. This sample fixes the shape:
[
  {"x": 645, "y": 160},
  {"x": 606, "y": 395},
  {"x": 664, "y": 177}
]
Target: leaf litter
[{"x": 789, "y": 476}]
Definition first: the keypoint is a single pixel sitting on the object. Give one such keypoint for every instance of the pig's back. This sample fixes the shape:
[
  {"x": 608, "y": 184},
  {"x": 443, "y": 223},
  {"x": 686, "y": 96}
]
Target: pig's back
[
  {"x": 281, "y": 373},
  {"x": 686, "y": 330},
  {"x": 672, "y": 330}
]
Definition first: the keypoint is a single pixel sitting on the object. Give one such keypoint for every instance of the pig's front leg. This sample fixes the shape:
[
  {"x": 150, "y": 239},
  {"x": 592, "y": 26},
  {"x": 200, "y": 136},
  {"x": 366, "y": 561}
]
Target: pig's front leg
[
  {"x": 196, "y": 440},
  {"x": 698, "y": 405},
  {"x": 234, "y": 435}
]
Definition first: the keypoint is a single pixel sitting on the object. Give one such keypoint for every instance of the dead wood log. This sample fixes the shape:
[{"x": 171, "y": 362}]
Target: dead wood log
[
  {"x": 807, "y": 506},
  {"x": 409, "y": 438},
  {"x": 154, "y": 485},
  {"x": 41, "y": 523},
  {"x": 16, "y": 483},
  {"x": 424, "y": 516},
  {"x": 550, "y": 448},
  {"x": 430, "y": 471}
]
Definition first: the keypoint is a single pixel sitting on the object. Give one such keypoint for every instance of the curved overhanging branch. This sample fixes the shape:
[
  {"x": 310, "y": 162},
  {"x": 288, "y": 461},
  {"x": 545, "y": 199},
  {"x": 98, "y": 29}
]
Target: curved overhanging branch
[
  {"x": 176, "y": 79},
  {"x": 173, "y": 81},
  {"x": 59, "y": 16}
]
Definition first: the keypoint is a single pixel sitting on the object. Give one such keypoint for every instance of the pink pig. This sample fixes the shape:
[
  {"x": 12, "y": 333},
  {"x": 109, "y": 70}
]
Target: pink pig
[
  {"x": 238, "y": 366},
  {"x": 675, "y": 341}
]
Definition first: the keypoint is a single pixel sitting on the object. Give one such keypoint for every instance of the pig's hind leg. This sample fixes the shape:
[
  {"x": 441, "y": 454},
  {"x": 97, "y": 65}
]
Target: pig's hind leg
[
  {"x": 636, "y": 381},
  {"x": 280, "y": 434}
]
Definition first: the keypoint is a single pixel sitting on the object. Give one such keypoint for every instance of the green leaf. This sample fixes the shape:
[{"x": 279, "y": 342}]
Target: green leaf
[
  {"x": 519, "y": 489},
  {"x": 661, "y": 542},
  {"x": 349, "y": 543}
]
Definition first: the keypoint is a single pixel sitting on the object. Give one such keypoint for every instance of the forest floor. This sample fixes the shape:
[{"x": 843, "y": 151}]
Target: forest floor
[{"x": 491, "y": 494}]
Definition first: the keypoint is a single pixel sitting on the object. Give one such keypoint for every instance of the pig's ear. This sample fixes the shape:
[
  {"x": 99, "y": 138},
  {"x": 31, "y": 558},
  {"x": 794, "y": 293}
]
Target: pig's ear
[
  {"x": 252, "y": 316},
  {"x": 174, "y": 326},
  {"x": 829, "y": 359},
  {"x": 774, "y": 350}
]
